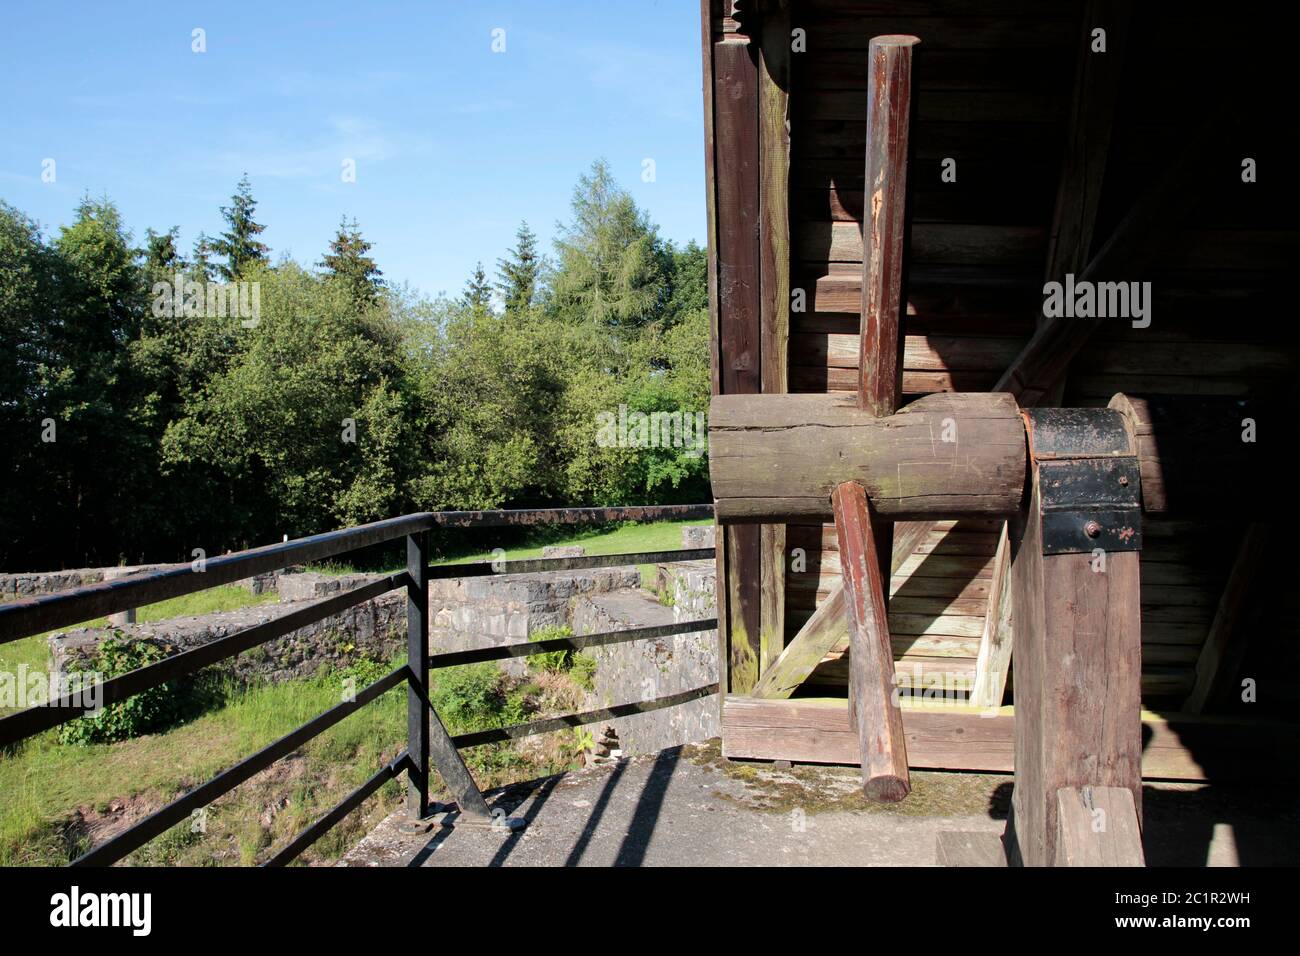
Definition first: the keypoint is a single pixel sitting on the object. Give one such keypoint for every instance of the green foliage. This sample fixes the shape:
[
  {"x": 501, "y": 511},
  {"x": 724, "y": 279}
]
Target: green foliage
[
  {"x": 350, "y": 400},
  {"x": 470, "y": 696},
  {"x": 347, "y": 263},
  {"x": 519, "y": 273},
  {"x": 580, "y": 667},
  {"x": 239, "y": 243},
  {"x": 142, "y": 713}
]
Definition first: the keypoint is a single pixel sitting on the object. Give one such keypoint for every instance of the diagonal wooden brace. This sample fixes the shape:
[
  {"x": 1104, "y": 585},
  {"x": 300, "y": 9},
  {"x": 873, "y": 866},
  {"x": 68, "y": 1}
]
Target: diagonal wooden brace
[{"x": 873, "y": 706}]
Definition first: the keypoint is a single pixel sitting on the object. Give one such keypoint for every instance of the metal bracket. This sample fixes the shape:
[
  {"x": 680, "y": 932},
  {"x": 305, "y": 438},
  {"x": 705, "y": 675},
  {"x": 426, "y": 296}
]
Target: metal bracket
[{"x": 1090, "y": 503}]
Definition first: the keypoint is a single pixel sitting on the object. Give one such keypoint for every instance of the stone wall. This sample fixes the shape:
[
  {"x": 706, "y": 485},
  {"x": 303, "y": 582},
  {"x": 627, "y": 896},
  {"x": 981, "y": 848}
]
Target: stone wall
[
  {"x": 375, "y": 629},
  {"x": 645, "y": 670},
  {"x": 484, "y": 612}
]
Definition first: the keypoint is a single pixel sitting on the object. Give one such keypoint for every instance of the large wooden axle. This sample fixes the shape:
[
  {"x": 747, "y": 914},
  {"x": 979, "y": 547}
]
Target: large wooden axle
[{"x": 780, "y": 457}]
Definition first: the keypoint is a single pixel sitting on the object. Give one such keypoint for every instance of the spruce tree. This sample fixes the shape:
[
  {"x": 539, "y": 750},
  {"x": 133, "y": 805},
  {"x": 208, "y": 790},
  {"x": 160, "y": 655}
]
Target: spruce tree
[
  {"x": 160, "y": 253},
  {"x": 239, "y": 243},
  {"x": 478, "y": 293},
  {"x": 348, "y": 263},
  {"x": 518, "y": 272}
]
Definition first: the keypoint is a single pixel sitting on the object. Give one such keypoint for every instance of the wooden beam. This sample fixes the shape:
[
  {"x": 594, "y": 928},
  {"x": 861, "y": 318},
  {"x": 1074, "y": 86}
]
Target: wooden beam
[
  {"x": 1228, "y": 617},
  {"x": 884, "y": 235},
  {"x": 994, "y": 661},
  {"x": 779, "y": 457},
  {"x": 1087, "y": 143},
  {"x": 737, "y": 306},
  {"x": 774, "y": 275},
  {"x": 1078, "y": 680},
  {"x": 1087, "y": 146},
  {"x": 1176, "y": 746},
  {"x": 1097, "y": 826},
  {"x": 1127, "y": 253},
  {"x": 873, "y": 706}
]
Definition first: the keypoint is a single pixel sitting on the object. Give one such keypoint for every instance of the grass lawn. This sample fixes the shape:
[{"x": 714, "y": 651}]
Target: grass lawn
[
  {"x": 626, "y": 539},
  {"x": 58, "y": 797}
]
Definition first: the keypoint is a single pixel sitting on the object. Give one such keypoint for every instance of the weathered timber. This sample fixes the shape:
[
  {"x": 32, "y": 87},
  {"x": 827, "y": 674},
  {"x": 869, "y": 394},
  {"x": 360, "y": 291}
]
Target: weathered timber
[
  {"x": 774, "y": 276},
  {"x": 1127, "y": 253},
  {"x": 736, "y": 228},
  {"x": 1078, "y": 680},
  {"x": 780, "y": 457},
  {"x": 1194, "y": 456},
  {"x": 958, "y": 737},
  {"x": 872, "y": 704},
  {"x": 820, "y": 634},
  {"x": 1228, "y": 617},
  {"x": 884, "y": 232},
  {"x": 993, "y": 663},
  {"x": 1097, "y": 826}
]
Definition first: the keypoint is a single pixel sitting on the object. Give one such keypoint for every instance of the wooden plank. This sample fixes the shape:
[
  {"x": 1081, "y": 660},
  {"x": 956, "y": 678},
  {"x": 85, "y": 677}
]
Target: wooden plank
[
  {"x": 1097, "y": 826},
  {"x": 708, "y": 21},
  {"x": 737, "y": 176},
  {"x": 827, "y": 627},
  {"x": 956, "y": 737},
  {"x": 1232, "y": 609},
  {"x": 872, "y": 706},
  {"x": 774, "y": 240},
  {"x": 966, "y": 243},
  {"x": 993, "y": 663}
]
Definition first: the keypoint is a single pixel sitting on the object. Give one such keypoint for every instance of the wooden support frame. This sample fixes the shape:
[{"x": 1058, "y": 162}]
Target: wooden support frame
[
  {"x": 1078, "y": 672},
  {"x": 956, "y": 736},
  {"x": 746, "y": 87},
  {"x": 731, "y": 97},
  {"x": 774, "y": 283},
  {"x": 1228, "y": 617},
  {"x": 873, "y": 705}
]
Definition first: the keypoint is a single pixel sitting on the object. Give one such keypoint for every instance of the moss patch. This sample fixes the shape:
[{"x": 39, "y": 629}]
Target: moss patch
[{"x": 815, "y": 788}]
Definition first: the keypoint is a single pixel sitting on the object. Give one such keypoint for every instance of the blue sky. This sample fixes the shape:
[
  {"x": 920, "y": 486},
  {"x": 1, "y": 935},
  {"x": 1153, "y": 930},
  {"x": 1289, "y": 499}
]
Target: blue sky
[{"x": 453, "y": 143}]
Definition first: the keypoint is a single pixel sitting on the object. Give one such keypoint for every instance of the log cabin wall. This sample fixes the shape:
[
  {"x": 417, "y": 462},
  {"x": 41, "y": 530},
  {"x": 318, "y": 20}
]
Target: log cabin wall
[{"x": 1038, "y": 143}]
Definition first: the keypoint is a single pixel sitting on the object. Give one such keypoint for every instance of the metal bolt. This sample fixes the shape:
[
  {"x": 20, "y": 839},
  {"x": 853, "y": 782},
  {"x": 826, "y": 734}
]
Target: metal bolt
[
  {"x": 1092, "y": 529},
  {"x": 1123, "y": 481}
]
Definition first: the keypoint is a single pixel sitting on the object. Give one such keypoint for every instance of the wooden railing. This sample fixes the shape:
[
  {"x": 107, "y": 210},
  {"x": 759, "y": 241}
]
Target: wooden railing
[{"x": 428, "y": 743}]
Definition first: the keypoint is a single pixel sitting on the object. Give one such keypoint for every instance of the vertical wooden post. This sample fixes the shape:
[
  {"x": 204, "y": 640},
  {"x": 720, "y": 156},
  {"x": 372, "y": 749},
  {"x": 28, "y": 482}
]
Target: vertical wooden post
[
  {"x": 872, "y": 705},
  {"x": 774, "y": 280},
  {"x": 884, "y": 226},
  {"x": 731, "y": 101},
  {"x": 884, "y": 242},
  {"x": 417, "y": 661},
  {"x": 1078, "y": 655}
]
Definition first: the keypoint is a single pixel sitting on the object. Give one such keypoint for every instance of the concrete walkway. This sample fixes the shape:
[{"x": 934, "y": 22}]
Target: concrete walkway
[{"x": 690, "y": 807}]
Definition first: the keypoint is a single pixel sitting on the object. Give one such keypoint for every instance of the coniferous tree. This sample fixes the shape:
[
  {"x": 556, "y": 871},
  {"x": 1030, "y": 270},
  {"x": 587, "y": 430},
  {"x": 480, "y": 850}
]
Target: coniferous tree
[
  {"x": 160, "y": 253},
  {"x": 348, "y": 263},
  {"x": 202, "y": 258},
  {"x": 239, "y": 243},
  {"x": 478, "y": 292},
  {"x": 518, "y": 272}
]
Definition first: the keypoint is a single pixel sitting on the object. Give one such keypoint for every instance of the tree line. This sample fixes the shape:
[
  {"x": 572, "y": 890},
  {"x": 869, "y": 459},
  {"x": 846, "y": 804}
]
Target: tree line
[{"x": 136, "y": 430}]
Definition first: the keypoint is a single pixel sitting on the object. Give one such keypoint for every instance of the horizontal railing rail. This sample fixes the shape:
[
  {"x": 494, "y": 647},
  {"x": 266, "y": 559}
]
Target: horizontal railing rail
[{"x": 35, "y": 615}]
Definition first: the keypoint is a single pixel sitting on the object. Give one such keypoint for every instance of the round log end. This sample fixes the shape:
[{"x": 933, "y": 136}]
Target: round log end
[{"x": 887, "y": 789}]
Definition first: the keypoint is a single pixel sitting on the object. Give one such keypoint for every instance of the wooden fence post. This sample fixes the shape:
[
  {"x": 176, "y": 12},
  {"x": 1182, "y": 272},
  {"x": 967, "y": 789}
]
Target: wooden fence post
[{"x": 1078, "y": 654}]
